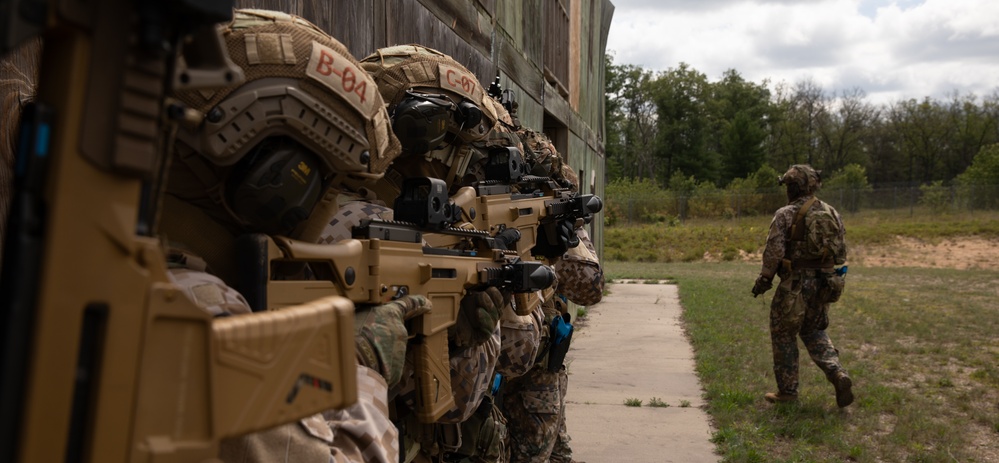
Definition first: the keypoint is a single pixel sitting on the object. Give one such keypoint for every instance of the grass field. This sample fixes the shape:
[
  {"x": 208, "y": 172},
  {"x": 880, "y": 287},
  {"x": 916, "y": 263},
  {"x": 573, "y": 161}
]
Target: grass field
[{"x": 919, "y": 343}]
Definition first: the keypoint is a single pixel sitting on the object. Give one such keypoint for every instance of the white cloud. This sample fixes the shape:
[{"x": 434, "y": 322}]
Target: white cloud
[{"x": 892, "y": 49}]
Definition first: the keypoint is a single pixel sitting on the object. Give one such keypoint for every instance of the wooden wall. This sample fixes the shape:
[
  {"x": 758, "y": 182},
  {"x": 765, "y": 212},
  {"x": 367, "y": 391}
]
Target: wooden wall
[{"x": 490, "y": 37}]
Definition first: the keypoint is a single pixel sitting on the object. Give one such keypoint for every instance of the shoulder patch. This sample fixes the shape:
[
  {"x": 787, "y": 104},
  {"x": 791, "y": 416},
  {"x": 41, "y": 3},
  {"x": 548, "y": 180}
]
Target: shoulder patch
[{"x": 339, "y": 74}]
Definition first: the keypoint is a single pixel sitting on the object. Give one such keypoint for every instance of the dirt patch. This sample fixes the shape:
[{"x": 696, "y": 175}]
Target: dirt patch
[{"x": 962, "y": 253}]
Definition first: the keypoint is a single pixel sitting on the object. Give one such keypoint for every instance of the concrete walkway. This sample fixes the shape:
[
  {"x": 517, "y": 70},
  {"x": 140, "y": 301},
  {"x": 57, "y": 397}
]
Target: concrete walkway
[{"x": 632, "y": 346}]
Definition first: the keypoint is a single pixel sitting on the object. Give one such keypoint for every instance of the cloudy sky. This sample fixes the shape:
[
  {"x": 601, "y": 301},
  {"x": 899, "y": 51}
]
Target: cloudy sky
[{"x": 892, "y": 49}]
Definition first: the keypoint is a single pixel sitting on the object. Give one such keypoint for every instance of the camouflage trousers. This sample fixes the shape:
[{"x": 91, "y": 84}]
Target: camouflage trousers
[
  {"x": 798, "y": 312},
  {"x": 534, "y": 406},
  {"x": 562, "y": 453}
]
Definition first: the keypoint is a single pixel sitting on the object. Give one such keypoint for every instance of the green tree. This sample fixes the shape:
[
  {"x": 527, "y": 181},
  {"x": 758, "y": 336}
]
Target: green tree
[
  {"x": 799, "y": 112},
  {"x": 758, "y": 193},
  {"x": 683, "y": 188},
  {"x": 886, "y": 161},
  {"x": 842, "y": 131},
  {"x": 631, "y": 122},
  {"x": 849, "y": 185},
  {"x": 974, "y": 126},
  {"x": 979, "y": 184},
  {"x": 924, "y": 136},
  {"x": 680, "y": 97},
  {"x": 738, "y": 111}
]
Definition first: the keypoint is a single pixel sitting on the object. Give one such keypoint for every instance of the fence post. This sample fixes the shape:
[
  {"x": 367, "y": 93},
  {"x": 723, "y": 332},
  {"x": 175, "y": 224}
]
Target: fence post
[{"x": 953, "y": 199}]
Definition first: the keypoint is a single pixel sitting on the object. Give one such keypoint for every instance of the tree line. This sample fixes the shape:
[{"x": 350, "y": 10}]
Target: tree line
[{"x": 676, "y": 124}]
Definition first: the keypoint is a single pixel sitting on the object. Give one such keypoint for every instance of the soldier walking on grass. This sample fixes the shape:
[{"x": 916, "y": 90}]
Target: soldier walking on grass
[{"x": 804, "y": 247}]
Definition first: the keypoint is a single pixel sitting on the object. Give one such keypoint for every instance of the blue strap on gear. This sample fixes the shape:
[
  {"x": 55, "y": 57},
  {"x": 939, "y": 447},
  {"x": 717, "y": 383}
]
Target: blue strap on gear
[
  {"x": 497, "y": 381},
  {"x": 560, "y": 334},
  {"x": 561, "y": 329}
]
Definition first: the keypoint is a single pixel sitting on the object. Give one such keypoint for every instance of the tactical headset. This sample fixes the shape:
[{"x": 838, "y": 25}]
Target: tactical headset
[
  {"x": 422, "y": 121},
  {"x": 275, "y": 186}
]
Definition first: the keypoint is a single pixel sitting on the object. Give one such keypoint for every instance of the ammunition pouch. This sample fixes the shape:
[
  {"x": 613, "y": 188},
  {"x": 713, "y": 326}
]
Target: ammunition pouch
[
  {"x": 483, "y": 435},
  {"x": 431, "y": 441},
  {"x": 830, "y": 287}
]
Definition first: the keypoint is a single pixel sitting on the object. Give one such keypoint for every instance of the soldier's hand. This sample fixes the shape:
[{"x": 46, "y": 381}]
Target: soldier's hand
[
  {"x": 762, "y": 285},
  {"x": 380, "y": 335},
  {"x": 477, "y": 318}
]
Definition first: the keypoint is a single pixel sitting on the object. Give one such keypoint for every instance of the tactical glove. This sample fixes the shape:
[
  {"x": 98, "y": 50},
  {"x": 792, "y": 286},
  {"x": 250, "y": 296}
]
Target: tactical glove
[
  {"x": 478, "y": 317},
  {"x": 380, "y": 335},
  {"x": 762, "y": 285}
]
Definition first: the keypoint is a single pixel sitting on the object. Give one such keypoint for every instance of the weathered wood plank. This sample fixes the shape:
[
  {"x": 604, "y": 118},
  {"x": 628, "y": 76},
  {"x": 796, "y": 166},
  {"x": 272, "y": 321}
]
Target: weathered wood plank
[
  {"x": 319, "y": 13},
  {"x": 529, "y": 109},
  {"x": 349, "y": 21},
  {"x": 409, "y": 22},
  {"x": 559, "y": 109},
  {"x": 489, "y": 6},
  {"x": 353, "y": 23},
  {"x": 462, "y": 17},
  {"x": 521, "y": 70},
  {"x": 575, "y": 50},
  {"x": 287, "y": 6}
]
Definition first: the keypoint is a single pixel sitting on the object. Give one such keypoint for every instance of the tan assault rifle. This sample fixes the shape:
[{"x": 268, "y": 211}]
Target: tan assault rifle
[
  {"x": 544, "y": 212},
  {"x": 103, "y": 358},
  {"x": 385, "y": 261}
]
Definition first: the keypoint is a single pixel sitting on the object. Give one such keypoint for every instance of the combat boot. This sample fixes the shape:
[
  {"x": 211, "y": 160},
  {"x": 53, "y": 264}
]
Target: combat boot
[
  {"x": 779, "y": 397},
  {"x": 843, "y": 385}
]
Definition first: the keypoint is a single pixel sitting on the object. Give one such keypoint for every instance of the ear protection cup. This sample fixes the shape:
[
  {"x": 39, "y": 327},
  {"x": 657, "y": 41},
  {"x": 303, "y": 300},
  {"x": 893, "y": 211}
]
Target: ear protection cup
[{"x": 275, "y": 186}]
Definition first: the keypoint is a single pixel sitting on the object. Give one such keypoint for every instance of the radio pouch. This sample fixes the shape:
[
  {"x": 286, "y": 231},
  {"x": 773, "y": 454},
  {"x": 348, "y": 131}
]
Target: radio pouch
[{"x": 561, "y": 335}]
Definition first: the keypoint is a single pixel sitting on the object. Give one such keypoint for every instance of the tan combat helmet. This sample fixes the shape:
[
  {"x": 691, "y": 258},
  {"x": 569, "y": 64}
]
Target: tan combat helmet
[
  {"x": 412, "y": 74},
  {"x": 270, "y": 154},
  {"x": 307, "y": 119},
  {"x": 801, "y": 180},
  {"x": 402, "y": 68}
]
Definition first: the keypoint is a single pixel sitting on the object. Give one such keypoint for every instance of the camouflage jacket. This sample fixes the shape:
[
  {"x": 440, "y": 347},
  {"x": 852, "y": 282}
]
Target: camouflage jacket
[{"x": 778, "y": 245}]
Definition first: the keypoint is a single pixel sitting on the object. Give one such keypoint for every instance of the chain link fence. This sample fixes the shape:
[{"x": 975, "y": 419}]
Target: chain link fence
[{"x": 667, "y": 206}]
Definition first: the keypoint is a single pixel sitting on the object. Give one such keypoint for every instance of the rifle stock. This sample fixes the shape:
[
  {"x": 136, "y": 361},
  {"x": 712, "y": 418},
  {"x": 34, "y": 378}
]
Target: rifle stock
[
  {"x": 375, "y": 271},
  {"x": 115, "y": 363}
]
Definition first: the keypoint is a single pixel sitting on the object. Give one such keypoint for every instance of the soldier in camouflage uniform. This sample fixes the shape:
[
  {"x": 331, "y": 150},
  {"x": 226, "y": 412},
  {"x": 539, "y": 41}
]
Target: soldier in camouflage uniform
[
  {"x": 534, "y": 404},
  {"x": 799, "y": 308},
  {"x": 491, "y": 337},
  {"x": 274, "y": 50},
  {"x": 280, "y": 154}
]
